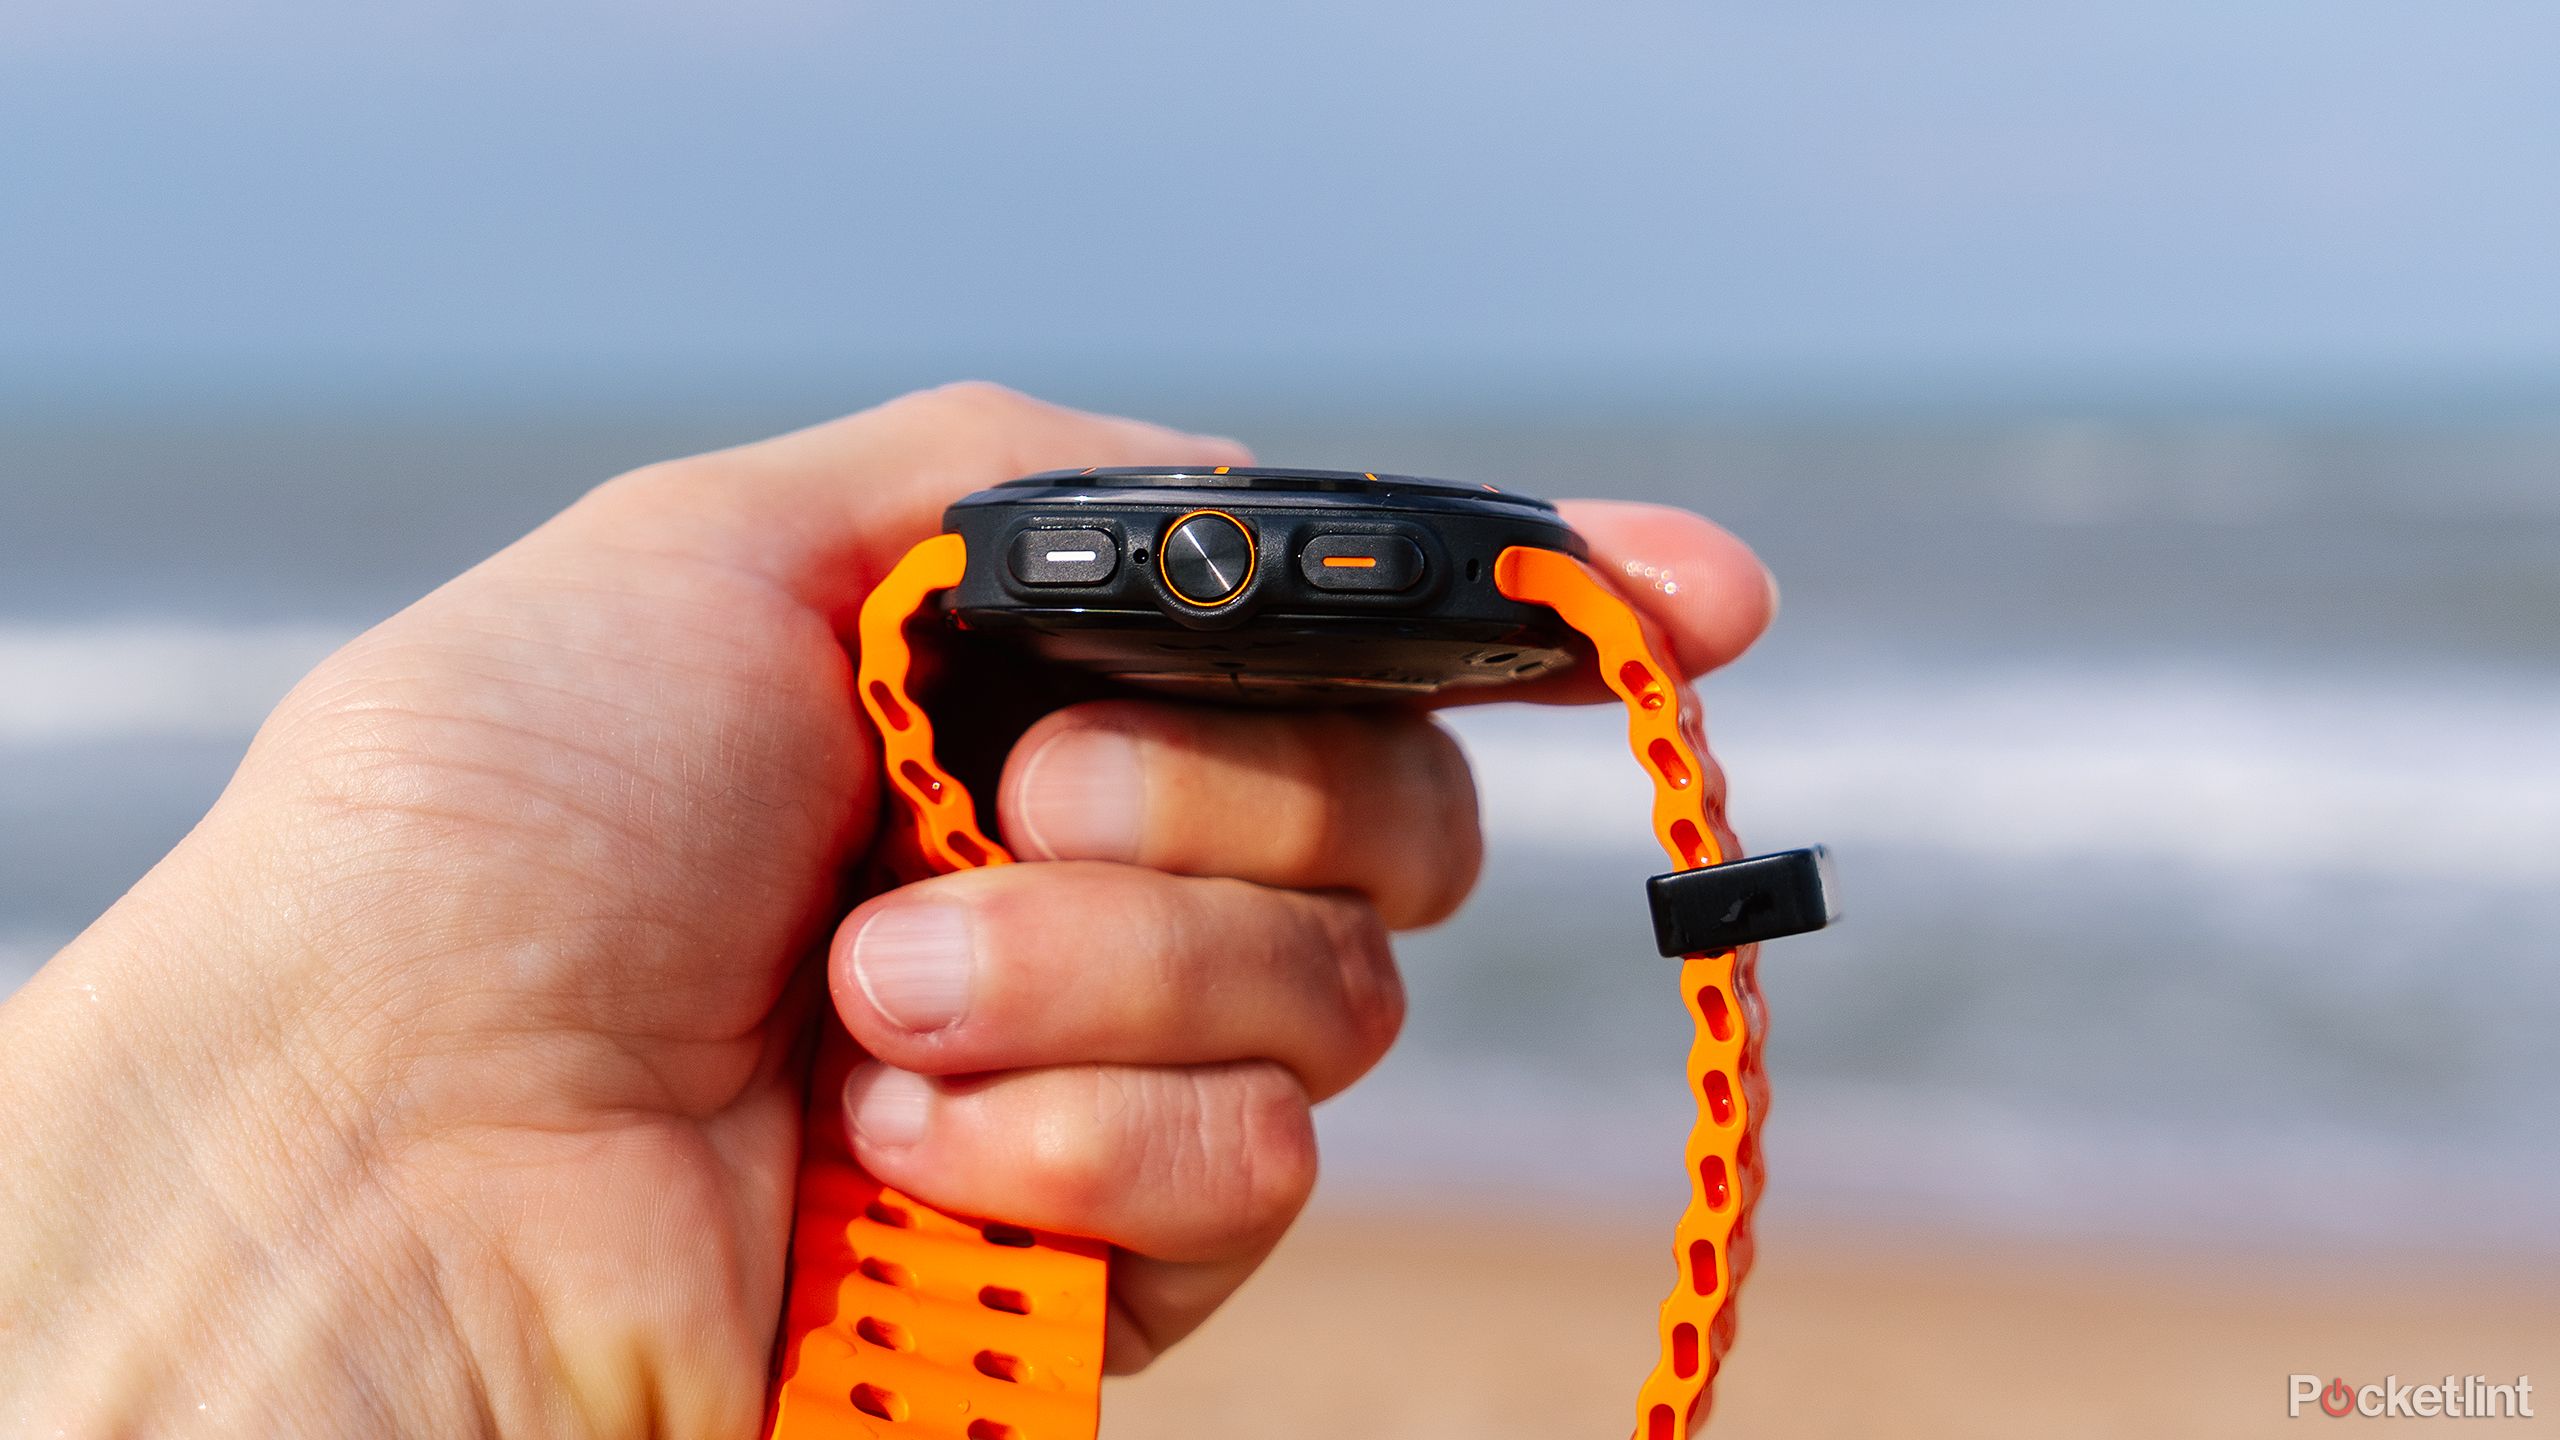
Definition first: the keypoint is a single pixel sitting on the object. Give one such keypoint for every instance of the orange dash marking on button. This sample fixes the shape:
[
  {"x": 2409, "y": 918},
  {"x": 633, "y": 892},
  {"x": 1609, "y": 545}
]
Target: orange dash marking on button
[{"x": 1351, "y": 562}]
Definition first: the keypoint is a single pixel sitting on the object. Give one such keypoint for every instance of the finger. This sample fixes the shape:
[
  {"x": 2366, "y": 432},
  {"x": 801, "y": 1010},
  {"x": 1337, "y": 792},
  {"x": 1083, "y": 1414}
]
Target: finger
[
  {"x": 1189, "y": 1164},
  {"x": 1030, "y": 965},
  {"x": 829, "y": 508},
  {"x": 1699, "y": 586},
  {"x": 1377, "y": 801},
  {"x": 1698, "y": 581}
]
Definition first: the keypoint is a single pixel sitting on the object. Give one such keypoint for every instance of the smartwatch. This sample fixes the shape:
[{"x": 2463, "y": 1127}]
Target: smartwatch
[{"x": 1253, "y": 586}]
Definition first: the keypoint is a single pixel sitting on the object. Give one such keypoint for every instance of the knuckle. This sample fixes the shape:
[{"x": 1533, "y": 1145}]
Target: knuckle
[
  {"x": 363, "y": 732},
  {"x": 1238, "y": 1141},
  {"x": 1233, "y": 1145},
  {"x": 1396, "y": 793},
  {"x": 981, "y": 401},
  {"x": 1274, "y": 1155},
  {"x": 1160, "y": 967},
  {"x": 1305, "y": 831},
  {"x": 1076, "y": 1155},
  {"x": 636, "y": 503},
  {"x": 1373, "y": 996},
  {"x": 1459, "y": 830},
  {"x": 658, "y": 478},
  {"x": 1037, "y": 925},
  {"x": 1162, "y": 995}
]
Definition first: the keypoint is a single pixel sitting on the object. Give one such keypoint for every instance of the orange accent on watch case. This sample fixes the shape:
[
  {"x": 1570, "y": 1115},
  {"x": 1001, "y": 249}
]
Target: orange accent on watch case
[{"x": 1164, "y": 570}]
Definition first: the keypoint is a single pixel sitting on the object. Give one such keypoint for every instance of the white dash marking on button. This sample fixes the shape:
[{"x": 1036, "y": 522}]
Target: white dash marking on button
[{"x": 1072, "y": 557}]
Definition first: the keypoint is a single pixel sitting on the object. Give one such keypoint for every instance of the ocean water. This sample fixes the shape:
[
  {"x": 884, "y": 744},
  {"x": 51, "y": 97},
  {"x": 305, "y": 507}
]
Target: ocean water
[{"x": 2195, "y": 787}]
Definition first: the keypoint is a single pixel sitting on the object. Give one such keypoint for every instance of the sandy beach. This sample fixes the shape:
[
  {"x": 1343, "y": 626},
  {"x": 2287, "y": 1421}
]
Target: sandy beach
[{"x": 1389, "y": 1326}]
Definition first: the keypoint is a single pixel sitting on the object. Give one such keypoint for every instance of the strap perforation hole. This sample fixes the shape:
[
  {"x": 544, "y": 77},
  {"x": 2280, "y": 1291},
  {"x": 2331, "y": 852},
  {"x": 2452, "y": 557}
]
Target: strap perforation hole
[
  {"x": 966, "y": 846},
  {"x": 1716, "y": 1012},
  {"x": 1662, "y": 1424},
  {"x": 1715, "y": 1183},
  {"x": 1667, "y": 763},
  {"x": 881, "y": 1404},
  {"x": 997, "y": 1365},
  {"x": 1010, "y": 1236},
  {"x": 1643, "y": 684},
  {"x": 1684, "y": 1350},
  {"x": 1719, "y": 1090},
  {"x": 885, "y": 1272},
  {"x": 1011, "y": 1302},
  {"x": 891, "y": 711},
  {"x": 1702, "y": 1266},
  {"x": 1691, "y": 844},
  {"x": 992, "y": 1430},
  {"x": 922, "y": 779},
  {"x": 883, "y": 1334},
  {"x": 880, "y": 1212}
]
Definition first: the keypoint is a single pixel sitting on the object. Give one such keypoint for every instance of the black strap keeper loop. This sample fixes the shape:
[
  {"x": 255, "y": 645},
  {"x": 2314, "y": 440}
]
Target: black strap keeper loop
[{"x": 1716, "y": 908}]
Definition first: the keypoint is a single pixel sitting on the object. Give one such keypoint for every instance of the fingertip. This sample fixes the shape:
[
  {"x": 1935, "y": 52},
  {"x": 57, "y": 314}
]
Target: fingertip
[
  {"x": 1708, "y": 591},
  {"x": 1074, "y": 787},
  {"x": 887, "y": 1110},
  {"x": 912, "y": 965}
]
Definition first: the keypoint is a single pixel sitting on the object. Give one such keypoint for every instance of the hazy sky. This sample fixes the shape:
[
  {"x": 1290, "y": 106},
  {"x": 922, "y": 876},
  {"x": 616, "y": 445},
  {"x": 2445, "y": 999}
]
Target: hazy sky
[{"x": 1353, "y": 197}]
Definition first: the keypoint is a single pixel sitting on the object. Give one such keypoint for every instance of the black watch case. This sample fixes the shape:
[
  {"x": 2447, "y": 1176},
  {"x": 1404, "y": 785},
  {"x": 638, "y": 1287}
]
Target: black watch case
[{"x": 1260, "y": 585}]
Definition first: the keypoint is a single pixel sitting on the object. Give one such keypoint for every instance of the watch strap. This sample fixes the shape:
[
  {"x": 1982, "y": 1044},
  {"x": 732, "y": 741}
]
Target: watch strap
[
  {"x": 905, "y": 1321},
  {"x": 1666, "y": 731}
]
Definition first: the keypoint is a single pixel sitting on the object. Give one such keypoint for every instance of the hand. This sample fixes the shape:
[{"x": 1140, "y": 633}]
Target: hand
[{"x": 446, "y": 1079}]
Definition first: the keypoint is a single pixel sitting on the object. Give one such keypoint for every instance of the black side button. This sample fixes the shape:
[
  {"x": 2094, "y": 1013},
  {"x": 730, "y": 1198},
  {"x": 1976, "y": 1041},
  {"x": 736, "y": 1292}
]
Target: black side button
[
  {"x": 1360, "y": 562},
  {"x": 1713, "y": 909},
  {"x": 1064, "y": 557}
]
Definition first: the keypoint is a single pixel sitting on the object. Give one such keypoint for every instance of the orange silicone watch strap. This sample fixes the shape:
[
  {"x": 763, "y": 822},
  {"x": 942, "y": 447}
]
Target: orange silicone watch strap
[
  {"x": 905, "y": 1321},
  {"x": 1713, "y": 1244}
]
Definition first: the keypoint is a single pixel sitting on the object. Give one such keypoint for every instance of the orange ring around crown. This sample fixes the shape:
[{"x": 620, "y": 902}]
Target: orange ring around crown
[{"x": 1252, "y": 558}]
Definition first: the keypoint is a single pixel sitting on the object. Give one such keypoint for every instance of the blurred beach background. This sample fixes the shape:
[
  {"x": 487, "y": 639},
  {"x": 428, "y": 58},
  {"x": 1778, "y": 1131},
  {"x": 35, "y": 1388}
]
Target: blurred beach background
[{"x": 2153, "y": 414}]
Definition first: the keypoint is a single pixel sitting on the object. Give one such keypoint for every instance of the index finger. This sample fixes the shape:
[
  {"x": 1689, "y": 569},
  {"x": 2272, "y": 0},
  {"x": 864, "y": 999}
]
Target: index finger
[{"x": 1706, "y": 594}]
